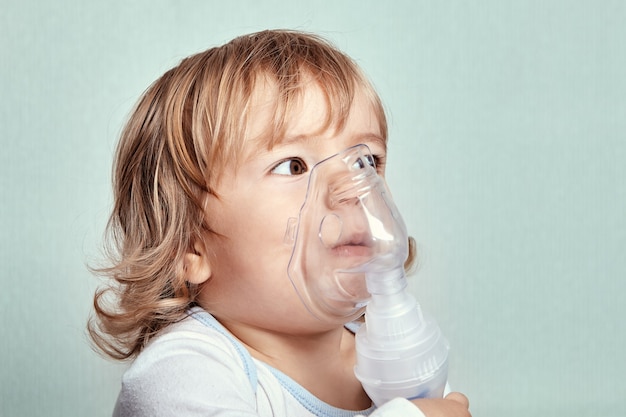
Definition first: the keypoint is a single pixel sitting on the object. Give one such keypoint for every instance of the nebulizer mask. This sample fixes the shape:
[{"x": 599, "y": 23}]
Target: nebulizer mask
[{"x": 350, "y": 244}]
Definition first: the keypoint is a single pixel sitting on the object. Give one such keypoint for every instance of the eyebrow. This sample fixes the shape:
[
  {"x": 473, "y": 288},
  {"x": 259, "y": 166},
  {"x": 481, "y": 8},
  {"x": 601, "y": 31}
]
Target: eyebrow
[
  {"x": 261, "y": 147},
  {"x": 358, "y": 138},
  {"x": 374, "y": 138}
]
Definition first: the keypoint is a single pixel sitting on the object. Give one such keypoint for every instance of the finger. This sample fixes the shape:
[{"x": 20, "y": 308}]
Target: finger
[{"x": 458, "y": 397}]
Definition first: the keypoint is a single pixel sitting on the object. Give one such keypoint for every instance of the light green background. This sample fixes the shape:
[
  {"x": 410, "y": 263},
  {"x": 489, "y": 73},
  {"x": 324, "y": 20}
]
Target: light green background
[{"x": 507, "y": 159}]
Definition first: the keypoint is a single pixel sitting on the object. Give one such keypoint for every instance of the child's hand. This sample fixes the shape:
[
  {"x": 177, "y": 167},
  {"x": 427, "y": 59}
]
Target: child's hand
[{"x": 454, "y": 404}]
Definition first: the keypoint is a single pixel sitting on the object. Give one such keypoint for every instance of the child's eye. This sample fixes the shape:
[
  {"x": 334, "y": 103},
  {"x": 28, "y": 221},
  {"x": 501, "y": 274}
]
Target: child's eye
[
  {"x": 370, "y": 160},
  {"x": 291, "y": 166}
]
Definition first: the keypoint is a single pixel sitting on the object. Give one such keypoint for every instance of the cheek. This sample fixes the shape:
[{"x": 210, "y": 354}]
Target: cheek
[
  {"x": 261, "y": 222},
  {"x": 270, "y": 216},
  {"x": 251, "y": 228},
  {"x": 252, "y": 237}
]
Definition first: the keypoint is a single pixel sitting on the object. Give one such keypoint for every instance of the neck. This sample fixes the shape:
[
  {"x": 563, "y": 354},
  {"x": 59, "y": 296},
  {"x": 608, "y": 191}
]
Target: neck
[{"x": 321, "y": 362}]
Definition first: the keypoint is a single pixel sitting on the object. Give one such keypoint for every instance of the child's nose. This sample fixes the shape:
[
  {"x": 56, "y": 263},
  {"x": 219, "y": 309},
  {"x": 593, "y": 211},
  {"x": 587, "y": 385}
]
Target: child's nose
[{"x": 347, "y": 190}]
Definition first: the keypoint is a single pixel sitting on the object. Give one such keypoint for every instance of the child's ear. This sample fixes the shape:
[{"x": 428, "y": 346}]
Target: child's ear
[{"x": 196, "y": 265}]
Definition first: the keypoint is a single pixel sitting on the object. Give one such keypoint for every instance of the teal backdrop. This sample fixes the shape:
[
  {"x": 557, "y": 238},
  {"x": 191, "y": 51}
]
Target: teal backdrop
[{"x": 507, "y": 160}]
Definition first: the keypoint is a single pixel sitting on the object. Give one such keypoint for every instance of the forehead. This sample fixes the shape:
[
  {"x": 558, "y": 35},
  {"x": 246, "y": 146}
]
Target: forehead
[{"x": 311, "y": 110}]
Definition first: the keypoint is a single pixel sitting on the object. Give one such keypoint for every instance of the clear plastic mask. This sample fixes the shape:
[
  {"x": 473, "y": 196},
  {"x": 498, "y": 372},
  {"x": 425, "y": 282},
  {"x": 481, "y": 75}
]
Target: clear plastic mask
[{"x": 348, "y": 230}]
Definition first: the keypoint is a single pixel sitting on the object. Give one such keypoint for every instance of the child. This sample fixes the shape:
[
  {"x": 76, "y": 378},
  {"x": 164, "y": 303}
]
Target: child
[{"x": 211, "y": 164}]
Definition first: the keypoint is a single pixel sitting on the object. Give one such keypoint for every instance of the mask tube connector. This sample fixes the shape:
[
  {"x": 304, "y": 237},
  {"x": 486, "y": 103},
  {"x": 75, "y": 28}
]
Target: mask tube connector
[{"x": 400, "y": 351}]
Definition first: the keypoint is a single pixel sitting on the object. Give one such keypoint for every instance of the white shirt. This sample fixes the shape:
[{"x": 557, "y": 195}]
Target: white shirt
[{"x": 197, "y": 368}]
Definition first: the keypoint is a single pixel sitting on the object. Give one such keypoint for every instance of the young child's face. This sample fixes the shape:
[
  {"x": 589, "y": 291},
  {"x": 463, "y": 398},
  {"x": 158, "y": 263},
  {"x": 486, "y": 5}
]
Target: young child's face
[{"x": 248, "y": 254}]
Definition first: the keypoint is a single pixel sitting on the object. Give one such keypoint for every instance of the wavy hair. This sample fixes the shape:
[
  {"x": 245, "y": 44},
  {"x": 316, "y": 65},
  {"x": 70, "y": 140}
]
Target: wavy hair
[{"x": 185, "y": 128}]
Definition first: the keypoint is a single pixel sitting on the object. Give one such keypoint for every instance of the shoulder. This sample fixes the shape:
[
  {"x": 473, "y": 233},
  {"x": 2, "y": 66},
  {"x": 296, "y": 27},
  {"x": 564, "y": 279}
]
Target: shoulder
[
  {"x": 188, "y": 341},
  {"x": 188, "y": 366}
]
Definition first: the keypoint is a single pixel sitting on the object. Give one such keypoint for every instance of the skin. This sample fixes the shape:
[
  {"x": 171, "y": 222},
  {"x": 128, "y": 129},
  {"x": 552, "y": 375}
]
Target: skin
[{"x": 243, "y": 267}]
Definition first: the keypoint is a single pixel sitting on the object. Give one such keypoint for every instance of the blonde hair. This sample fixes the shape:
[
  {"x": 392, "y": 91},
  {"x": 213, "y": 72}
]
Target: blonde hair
[{"x": 184, "y": 130}]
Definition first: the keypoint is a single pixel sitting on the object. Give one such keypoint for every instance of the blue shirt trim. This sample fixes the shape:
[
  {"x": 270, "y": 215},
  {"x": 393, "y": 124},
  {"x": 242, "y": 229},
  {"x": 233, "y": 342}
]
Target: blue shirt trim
[
  {"x": 311, "y": 402},
  {"x": 248, "y": 364}
]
